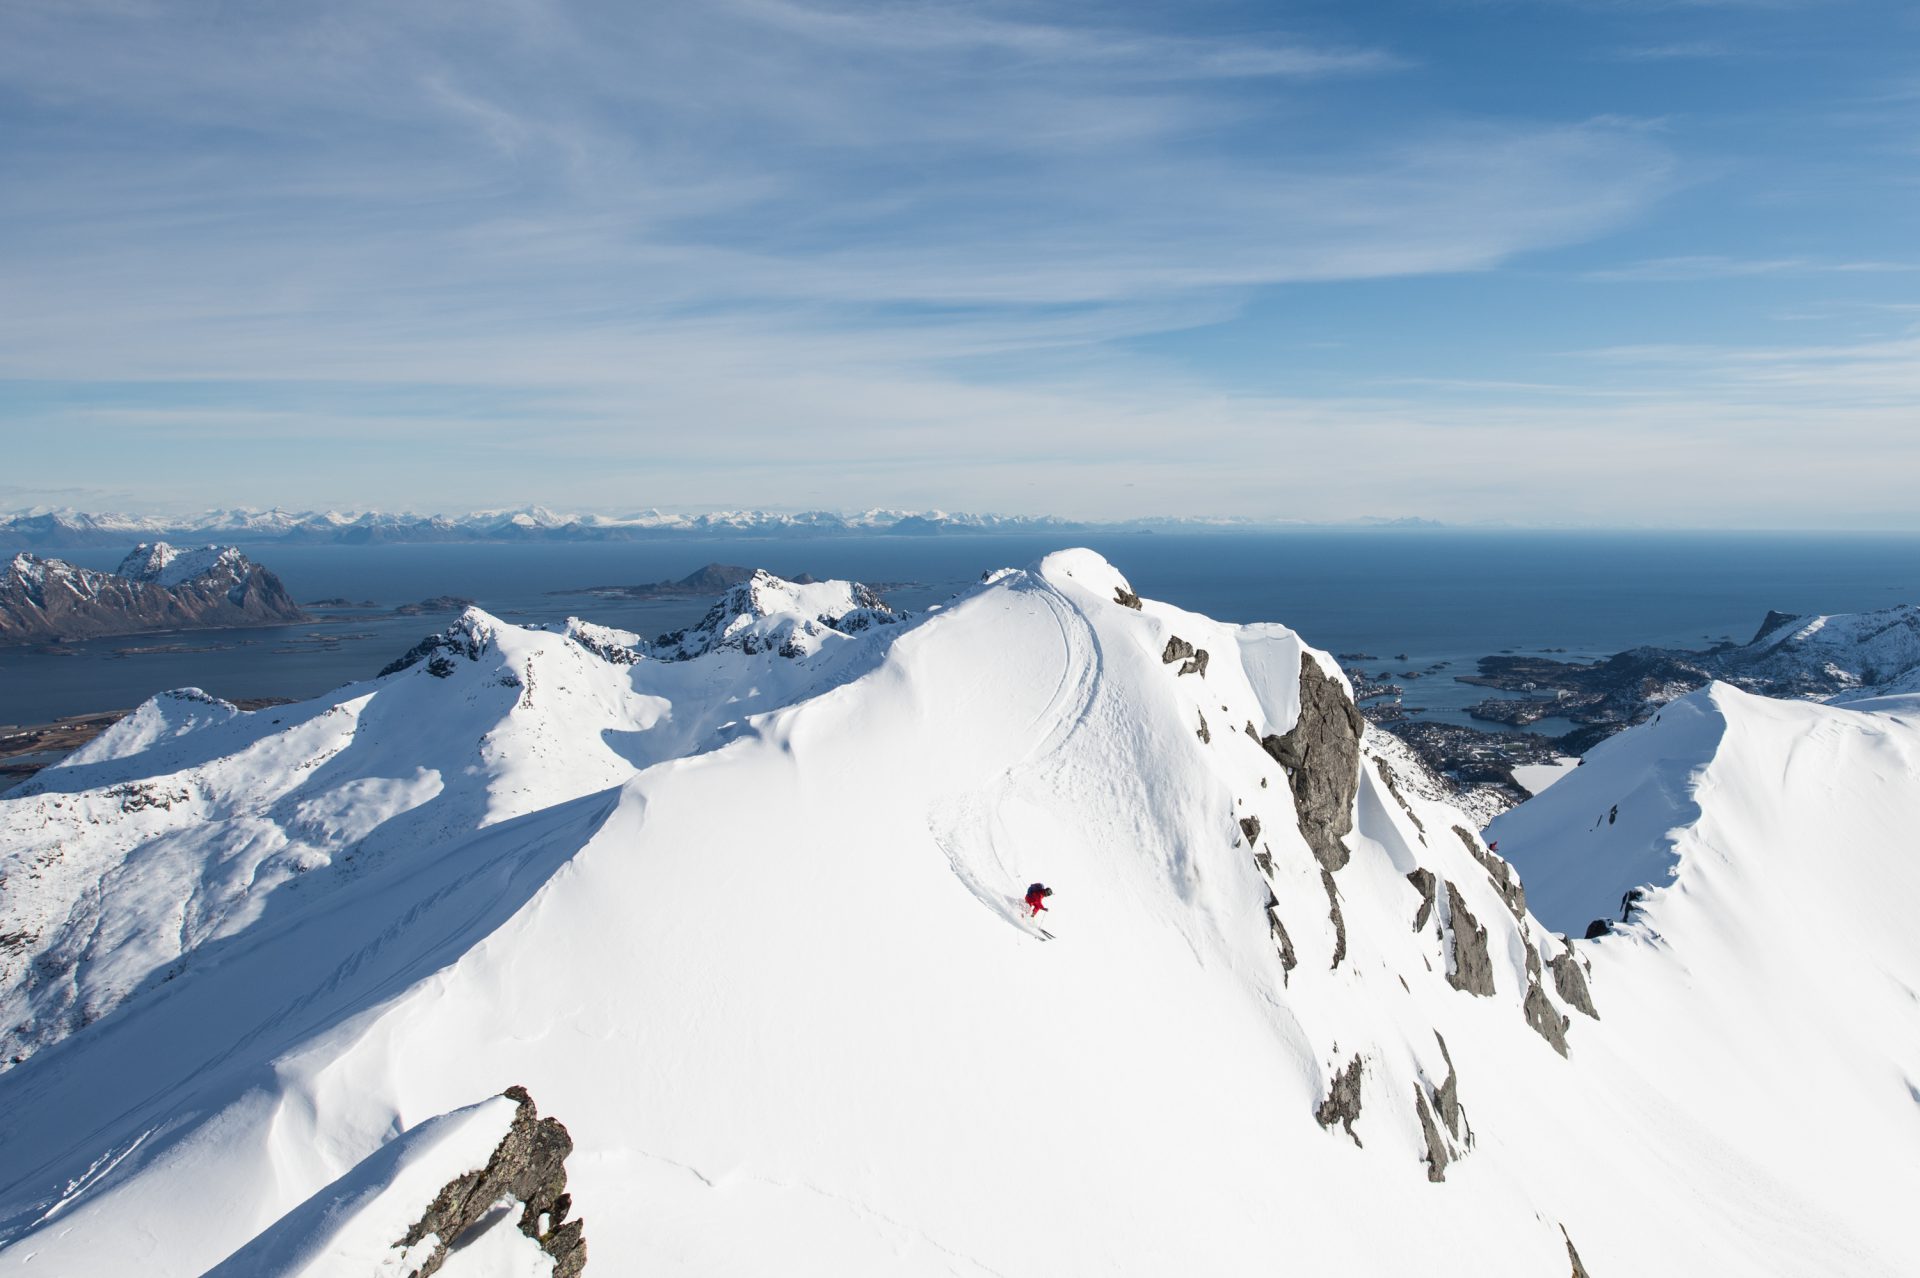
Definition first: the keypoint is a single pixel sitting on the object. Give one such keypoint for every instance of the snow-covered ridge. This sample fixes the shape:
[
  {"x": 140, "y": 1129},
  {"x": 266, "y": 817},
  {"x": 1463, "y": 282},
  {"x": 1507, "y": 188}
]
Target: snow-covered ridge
[{"x": 751, "y": 923}]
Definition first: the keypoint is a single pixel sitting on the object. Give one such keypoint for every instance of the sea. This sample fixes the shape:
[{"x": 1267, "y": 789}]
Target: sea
[{"x": 1427, "y": 601}]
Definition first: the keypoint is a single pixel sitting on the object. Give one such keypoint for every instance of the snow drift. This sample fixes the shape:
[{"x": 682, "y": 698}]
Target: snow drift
[{"x": 748, "y": 920}]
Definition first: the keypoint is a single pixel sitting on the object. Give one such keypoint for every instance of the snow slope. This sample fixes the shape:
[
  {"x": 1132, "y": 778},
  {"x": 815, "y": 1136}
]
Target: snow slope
[
  {"x": 749, "y": 924},
  {"x": 1768, "y": 847}
]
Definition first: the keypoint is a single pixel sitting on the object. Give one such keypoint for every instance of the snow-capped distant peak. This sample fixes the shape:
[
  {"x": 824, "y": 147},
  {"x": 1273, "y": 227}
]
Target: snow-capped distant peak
[
  {"x": 766, "y": 613},
  {"x": 160, "y": 564}
]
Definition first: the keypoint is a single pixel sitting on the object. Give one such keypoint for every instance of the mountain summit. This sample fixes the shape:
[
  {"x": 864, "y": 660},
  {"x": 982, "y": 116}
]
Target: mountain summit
[
  {"x": 156, "y": 587},
  {"x": 746, "y": 919}
]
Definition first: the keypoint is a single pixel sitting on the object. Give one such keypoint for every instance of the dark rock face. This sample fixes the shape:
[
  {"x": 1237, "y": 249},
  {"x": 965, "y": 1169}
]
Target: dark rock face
[
  {"x": 1342, "y": 1104},
  {"x": 1206, "y": 737},
  {"x": 1423, "y": 883},
  {"x": 1322, "y": 754},
  {"x": 1179, "y": 649},
  {"x": 1447, "y": 1099},
  {"x": 1333, "y": 912},
  {"x": 1443, "y": 1101},
  {"x": 1250, "y": 826},
  {"x": 1281, "y": 941},
  {"x": 529, "y": 1165},
  {"x": 1126, "y": 598},
  {"x": 1393, "y": 788},
  {"x": 157, "y": 588},
  {"x": 1770, "y": 623},
  {"x": 1579, "y": 1270},
  {"x": 1505, "y": 881},
  {"x": 1544, "y": 1020},
  {"x": 1437, "y": 1157},
  {"x": 1597, "y": 929},
  {"x": 1472, "y": 966},
  {"x": 1570, "y": 982}
]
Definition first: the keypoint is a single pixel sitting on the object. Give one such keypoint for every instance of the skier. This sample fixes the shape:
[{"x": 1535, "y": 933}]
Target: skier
[{"x": 1037, "y": 899}]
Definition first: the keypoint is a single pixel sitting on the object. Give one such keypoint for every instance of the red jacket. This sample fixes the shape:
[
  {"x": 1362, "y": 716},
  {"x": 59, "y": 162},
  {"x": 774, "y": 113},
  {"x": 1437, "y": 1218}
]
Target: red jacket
[{"x": 1036, "y": 900}]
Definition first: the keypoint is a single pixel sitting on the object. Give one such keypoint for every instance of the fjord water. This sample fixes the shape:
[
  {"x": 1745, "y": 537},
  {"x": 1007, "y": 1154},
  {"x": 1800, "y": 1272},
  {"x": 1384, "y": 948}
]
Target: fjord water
[{"x": 1433, "y": 595}]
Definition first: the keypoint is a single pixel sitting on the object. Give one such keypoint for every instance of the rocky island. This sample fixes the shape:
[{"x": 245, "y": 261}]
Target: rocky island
[{"x": 157, "y": 587}]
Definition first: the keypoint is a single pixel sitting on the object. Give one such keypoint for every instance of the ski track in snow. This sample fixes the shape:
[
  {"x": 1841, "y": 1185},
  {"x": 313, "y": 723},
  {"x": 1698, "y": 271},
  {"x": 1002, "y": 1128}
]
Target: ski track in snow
[{"x": 967, "y": 827}]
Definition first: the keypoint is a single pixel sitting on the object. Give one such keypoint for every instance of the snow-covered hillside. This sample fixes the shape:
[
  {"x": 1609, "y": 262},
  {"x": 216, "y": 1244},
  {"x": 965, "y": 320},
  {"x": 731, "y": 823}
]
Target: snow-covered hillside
[{"x": 748, "y": 921}]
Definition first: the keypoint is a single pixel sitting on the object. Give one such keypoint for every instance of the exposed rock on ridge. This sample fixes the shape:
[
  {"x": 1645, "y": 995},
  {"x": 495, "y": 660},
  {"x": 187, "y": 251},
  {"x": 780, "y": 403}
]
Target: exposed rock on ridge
[
  {"x": 469, "y": 637},
  {"x": 1321, "y": 753},
  {"x": 529, "y": 1167},
  {"x": 1472, "y": 967}
]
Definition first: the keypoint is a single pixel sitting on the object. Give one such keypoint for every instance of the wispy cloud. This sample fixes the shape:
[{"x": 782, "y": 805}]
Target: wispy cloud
[
  {"x": 1679, "y": 50},
  {"x": 1715, "y": 267},
  {"x": 357, "y": 190},
  {"x": 781, "y": 253}
]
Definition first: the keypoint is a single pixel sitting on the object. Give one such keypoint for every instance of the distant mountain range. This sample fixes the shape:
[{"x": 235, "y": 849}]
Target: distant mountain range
[{"x": 67, "y": 528}]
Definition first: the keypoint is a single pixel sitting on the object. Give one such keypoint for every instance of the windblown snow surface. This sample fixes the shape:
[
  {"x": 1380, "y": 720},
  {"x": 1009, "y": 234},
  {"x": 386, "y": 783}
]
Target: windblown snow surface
[{"x": 748, "y": 922}]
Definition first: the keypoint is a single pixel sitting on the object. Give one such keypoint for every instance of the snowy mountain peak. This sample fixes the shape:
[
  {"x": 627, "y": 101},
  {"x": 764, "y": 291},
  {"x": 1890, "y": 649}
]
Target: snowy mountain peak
[
  {"x": 766, "y": 613},
  {"x": 160, "y": 564},
  {"x": 472, "y": 635}
]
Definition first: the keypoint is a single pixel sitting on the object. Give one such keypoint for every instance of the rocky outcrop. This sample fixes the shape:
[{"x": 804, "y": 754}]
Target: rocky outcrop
[
  {"x": 1579, "y": 1270},
  {"x": 1321, "y": 753},
  {"x": 1333, "y": 913},
  {"x": 528, "y": 1167},
  {"x": 1126, "y": 598},
  {"x": 1472, "y": 967},
  {"x": 156, "y": 588},
  {"x": 1250, "y": 826},
  {"x": 1423, "y": 883},
  {"x": 1437, "y": 1156},
  {"x": 1543, "y": 1019},
  {"x": 1205, "y": 735},
  {"x": 1179, "y": 649},
  {"x": 1281, "y": 941},
  {"x": 615, "y": 647},
  {"x": 1393, "y": 788},
  {"x": 1342, "y": 1102},
  {"x": 469, "y": 637},
  {"x": 1442, "y": 1102},
  {"x": 1446, "y": 1098},
  {"x": 1505, "y": 880},
  {"x": 1570, "y": 982}
]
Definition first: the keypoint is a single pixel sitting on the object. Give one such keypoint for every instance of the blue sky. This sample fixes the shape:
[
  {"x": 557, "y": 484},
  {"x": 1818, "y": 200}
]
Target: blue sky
[{"x": 1535, "y": 261}]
